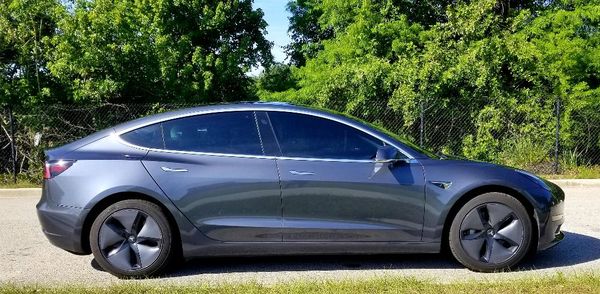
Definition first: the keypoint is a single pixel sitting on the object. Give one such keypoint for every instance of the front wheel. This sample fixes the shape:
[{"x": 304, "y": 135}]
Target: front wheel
[
  {"x": 131, "y": 238},
  {"x": 491, "y": 232}
]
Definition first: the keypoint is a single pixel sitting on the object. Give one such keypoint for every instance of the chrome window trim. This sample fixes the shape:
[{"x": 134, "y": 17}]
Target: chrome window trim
[
  {"x": 118, "y": 138},
  {"x": 325, "y": 159},
  {"x": 253, "y": 109}
]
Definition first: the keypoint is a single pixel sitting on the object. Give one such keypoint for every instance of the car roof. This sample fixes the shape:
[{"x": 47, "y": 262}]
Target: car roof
[{"x": 224, "y": 107}]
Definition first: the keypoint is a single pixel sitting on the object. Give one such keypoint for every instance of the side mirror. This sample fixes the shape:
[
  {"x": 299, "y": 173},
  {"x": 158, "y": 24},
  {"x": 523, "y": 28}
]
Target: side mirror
[{"x": 386, "y": 154}]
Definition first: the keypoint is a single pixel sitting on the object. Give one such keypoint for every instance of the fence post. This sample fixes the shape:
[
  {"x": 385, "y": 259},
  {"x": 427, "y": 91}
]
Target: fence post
[
  {"x": 421, "y": 124},
  {"x": 13, "y": 145},
  {"x": 557, "y": 139}
]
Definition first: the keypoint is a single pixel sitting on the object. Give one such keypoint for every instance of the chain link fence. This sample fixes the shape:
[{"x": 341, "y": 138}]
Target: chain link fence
[
  {"x": 546, "y": 143},
  {"x": 7, "y": 146}
]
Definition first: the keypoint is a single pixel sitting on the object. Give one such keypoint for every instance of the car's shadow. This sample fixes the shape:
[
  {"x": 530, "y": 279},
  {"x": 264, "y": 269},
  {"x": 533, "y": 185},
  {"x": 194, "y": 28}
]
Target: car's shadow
[{"x": 575, "y": 249}]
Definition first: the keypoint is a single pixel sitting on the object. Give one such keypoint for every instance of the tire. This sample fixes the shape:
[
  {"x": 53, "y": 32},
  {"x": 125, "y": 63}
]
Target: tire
[
  {"x": 491, "y": 232},
  {"x": 132, "y": 239}
]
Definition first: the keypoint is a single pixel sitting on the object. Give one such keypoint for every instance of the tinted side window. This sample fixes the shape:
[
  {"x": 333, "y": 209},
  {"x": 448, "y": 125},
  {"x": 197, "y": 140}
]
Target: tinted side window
[
  {"x": 266, "y": 134},
  {"x": 302, "y": 135},
  {"x": 149, "y": 137},
  {"x": 228, "y": 132}
]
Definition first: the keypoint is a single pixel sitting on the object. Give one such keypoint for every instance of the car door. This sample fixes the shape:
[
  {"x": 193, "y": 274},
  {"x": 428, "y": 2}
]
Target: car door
[
  {"x": 332, "y": 190},
  {"x": 213, "y": 168}
]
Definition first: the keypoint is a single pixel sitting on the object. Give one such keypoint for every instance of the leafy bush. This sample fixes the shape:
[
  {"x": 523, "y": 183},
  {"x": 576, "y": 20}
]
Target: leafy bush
[{"x": 528, "y": 154}]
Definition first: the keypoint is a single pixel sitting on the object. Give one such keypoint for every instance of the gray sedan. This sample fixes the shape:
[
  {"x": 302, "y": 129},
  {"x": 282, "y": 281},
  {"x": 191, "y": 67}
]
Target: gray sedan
[{"x": 273, "y": 178}]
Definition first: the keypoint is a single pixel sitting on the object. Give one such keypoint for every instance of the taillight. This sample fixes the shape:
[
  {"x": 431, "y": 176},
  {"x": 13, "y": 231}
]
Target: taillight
[{"x": 54, "y": 168}]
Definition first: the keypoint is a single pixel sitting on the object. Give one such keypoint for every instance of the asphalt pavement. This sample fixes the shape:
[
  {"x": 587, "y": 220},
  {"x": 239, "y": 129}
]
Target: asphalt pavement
[{"x": 27, "y": 257}]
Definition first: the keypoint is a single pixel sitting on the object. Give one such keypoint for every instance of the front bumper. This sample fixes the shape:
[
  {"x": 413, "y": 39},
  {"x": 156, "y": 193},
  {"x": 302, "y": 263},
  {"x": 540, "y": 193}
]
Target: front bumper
[
  {"x": 62, "y": 225},
  {"x": 550, "y": 233}
]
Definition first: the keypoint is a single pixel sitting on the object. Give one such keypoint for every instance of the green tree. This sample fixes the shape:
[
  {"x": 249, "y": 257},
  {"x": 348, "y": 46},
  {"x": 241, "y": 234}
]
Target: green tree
[
  {"x": 314, "y": 21},
  {"x": 492, "y": 70},
  {"x": 305, "y": 30},
  {"x": 276, "y": 78},
  {"x": 207, "y": 47},
  {"x": 141, "y": 50},
  {"x": 26, "y": 27}
]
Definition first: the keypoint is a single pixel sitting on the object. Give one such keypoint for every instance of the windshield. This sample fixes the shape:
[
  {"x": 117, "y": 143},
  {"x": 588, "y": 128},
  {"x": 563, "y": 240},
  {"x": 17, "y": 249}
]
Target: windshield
[{"x": 402, "y": 140}]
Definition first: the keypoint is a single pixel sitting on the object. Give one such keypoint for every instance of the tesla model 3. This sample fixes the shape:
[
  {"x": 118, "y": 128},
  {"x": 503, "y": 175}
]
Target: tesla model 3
[{"x": 273, "y": 178}]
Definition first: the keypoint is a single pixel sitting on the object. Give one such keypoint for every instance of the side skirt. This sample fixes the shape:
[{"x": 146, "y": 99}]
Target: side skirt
[{"x": 310, "y": 248}]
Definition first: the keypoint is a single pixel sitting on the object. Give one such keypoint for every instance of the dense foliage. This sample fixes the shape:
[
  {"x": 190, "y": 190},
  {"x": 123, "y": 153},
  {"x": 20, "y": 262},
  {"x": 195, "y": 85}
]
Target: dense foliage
[
  {"x": 488, "y": 63},
  {"x": 475, "y": 78},
  {"x": 26, "y": 30},
  {"x": 124, "y": 51}
]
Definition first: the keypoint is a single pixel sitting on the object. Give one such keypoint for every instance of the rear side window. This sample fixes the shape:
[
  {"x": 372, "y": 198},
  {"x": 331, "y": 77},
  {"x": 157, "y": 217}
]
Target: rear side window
[
  {"x": 227, "y": 132},
  {"x": 149, "y": 137},
  {"x": 308, "y": 136}
]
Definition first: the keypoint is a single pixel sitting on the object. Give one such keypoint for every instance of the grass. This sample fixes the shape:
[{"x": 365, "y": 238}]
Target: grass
[
  {"x": 586, "y": 283},
  {"x": 24, "y": 180},
  {"x": 19, "y": 184},
  {"x": 578, "y": 172},
  {"x": 7, "y": 182}
]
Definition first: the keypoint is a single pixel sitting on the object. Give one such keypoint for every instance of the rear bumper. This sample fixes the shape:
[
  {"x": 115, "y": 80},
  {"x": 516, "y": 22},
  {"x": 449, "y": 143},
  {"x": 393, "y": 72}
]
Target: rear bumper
[{"x": 62, "y": 225}]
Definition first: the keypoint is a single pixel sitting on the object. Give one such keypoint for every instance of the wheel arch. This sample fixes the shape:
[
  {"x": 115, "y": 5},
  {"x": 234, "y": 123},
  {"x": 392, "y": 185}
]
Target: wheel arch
[
  {"x": 467, "y": 196},
  {"x": 120, "y": 196}
]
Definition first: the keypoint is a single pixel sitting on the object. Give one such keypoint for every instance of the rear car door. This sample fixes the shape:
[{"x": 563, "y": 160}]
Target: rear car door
[
  {"x": 213, "y": 168},
  {"x": 332, "y": 190}
]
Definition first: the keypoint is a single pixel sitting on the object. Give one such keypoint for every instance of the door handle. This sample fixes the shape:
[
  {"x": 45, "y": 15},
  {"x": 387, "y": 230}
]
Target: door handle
[
  {"x": 174, "y": 170},
  {"x": 301, "y": 173},
  {"x": 132, "y": 157}
]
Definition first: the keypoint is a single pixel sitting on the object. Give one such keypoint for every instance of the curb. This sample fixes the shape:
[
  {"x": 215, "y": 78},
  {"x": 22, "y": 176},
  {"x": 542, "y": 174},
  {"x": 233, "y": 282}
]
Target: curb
[
  {"x": 36, "y": 192},
  {"x": 577, "y": 182}
]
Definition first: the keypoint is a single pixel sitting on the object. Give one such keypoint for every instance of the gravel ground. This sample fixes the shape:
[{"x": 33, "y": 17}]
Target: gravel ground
[{"x": 27, "y": 257}]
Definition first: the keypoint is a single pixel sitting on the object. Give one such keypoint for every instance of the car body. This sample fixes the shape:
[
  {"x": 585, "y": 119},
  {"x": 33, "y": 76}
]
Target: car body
[{"x": 265, "y": 178}]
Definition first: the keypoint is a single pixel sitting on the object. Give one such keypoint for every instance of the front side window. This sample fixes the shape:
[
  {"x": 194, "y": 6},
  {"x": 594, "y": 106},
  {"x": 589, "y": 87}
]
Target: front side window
[
  {"x": 227, "y": 132},
  {"x": 306, "y": 136}
]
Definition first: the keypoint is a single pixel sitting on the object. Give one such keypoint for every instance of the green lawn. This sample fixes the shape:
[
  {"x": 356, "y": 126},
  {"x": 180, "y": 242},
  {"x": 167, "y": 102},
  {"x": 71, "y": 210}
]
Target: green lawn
[
  {"x": 579, "y": 172},
  {"x": 7, "y": 182},
  {"x": 588, "y": 283},
  {"x": 18, "y": 185}
]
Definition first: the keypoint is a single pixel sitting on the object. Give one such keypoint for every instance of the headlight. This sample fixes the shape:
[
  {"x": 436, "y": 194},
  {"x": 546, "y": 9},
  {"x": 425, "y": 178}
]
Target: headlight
[{"x": 541, "y": 182}]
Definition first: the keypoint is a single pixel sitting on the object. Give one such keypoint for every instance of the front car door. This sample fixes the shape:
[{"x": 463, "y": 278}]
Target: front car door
[
  {"x": 332, "y": 190},
  {"x": 213, "y": 168}
]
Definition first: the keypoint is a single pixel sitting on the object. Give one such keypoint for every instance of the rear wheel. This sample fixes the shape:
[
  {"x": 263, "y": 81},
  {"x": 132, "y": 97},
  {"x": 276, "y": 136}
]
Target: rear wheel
[
  {"x": 132, "y": 238},
  {"x": 491, "y": 232}
]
